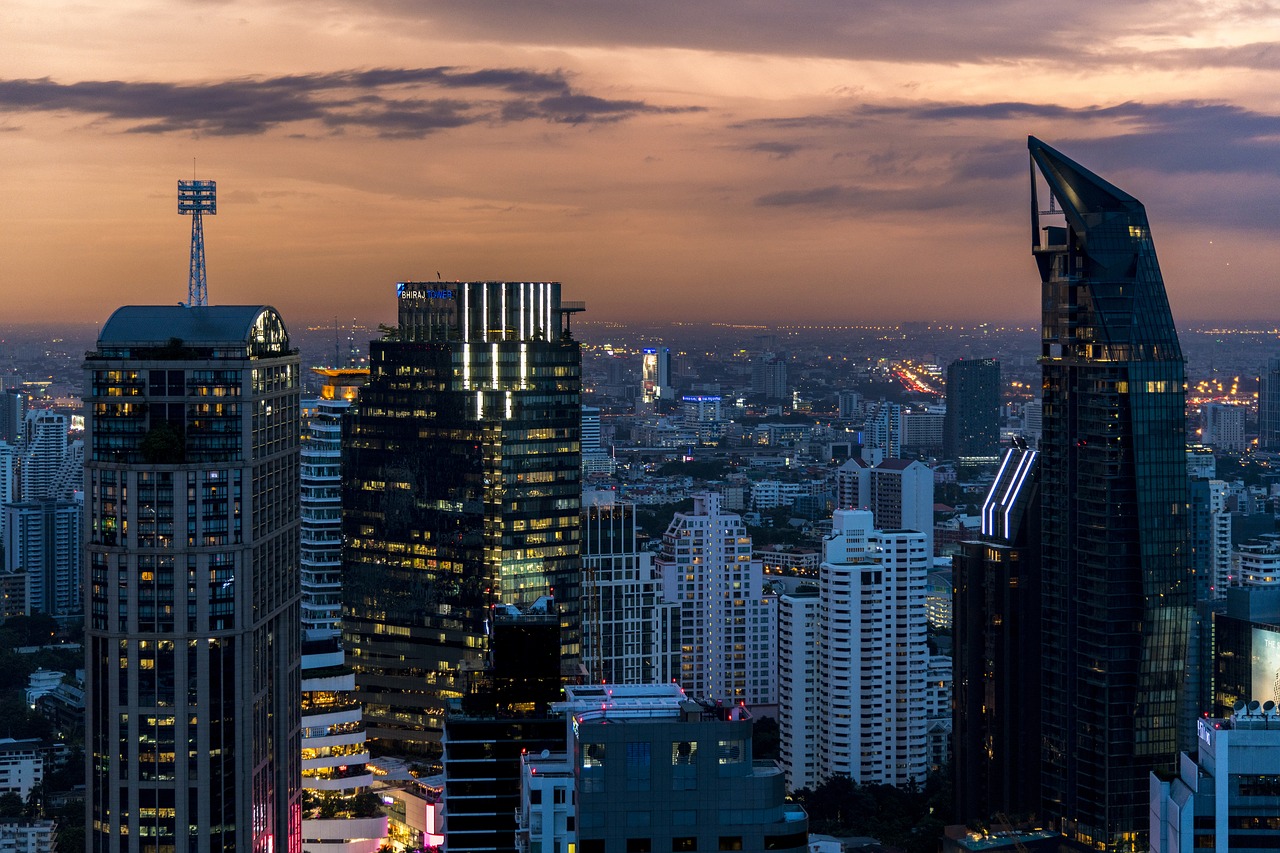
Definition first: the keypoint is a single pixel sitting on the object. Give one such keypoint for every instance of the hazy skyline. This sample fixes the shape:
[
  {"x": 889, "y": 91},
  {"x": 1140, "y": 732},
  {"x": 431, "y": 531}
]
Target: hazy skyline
[{"x": 826, "y": 161}]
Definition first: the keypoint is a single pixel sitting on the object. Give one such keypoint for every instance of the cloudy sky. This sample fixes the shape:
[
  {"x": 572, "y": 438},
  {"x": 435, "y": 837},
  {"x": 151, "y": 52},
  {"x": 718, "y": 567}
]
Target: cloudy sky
[{"x": 743, "y": 160}]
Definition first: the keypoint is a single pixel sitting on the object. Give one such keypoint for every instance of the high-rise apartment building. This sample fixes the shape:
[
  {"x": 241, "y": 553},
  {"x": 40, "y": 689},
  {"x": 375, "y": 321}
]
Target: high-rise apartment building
[
  {"x": 1117, "y": 595},
  {"x": 630, "y": 633},
  {"x": 797, "y": 685},
  {"x": 769, "y": 376},
  {"x": 901, "y": 497},
  {"x": 462, "y": 491},
  {"x": 972, "y": 430},
  {"x": 899, "y": 493},
  {"x": 192, "y": 658},
  {"x": 335, "y": 770},
  {"x": 44, "y": 447},
  {"x": 42, "y": 542},
  {"x": 321, "y": 507},
  {"x": 1209, "y": 548},
  {"x": 727, "y": 625},
  {"x": 882, "y": 431},
  {"x": 1222, "y": 427},
  {"x": 8, "y": 478},
  {"x": 872, "y": 653}
]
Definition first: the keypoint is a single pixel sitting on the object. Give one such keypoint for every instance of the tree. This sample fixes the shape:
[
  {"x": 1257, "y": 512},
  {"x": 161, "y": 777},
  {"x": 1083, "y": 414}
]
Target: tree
[
  {"x": 765, "y": 738},
  {"x": 11, "y": 805}
]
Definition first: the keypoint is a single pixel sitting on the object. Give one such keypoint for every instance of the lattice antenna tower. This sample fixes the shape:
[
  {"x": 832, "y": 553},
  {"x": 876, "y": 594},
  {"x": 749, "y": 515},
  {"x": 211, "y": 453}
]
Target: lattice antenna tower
[{"x": 196, "y": 198}]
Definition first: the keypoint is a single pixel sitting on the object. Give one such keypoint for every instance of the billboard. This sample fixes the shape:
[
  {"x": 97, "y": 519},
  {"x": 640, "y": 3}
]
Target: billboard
[{"x": 1265, "y": 680}]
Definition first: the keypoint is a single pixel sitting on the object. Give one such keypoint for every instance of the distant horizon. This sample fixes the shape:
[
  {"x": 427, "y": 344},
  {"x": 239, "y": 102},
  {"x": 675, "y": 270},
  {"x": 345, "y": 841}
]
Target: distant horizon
[{"x": 1231, "y": 325}]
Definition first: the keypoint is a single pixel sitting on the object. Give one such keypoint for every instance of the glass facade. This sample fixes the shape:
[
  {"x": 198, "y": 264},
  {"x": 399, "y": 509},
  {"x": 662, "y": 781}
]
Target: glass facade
[
  {"x": 462, "y": 492},
  {"x": 191, "y": 486},
  {"x": 971, "y": 429},
  {"x": 1116, "y": 593}
]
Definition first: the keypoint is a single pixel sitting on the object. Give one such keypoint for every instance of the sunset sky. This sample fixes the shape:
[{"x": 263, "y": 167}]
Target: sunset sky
[{"x": 742, "y": 160}]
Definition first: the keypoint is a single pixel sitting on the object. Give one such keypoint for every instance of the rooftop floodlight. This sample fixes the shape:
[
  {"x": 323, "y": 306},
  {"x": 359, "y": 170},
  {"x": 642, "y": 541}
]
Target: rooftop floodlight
[{"x": 196, "y": 198}]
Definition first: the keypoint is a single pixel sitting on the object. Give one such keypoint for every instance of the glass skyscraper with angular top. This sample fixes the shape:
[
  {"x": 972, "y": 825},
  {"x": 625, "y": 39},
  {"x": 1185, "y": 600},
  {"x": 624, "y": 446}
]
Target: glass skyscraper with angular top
[
  {"x": 462, "y": 491},
  {"x": 1116, "y": 597}
]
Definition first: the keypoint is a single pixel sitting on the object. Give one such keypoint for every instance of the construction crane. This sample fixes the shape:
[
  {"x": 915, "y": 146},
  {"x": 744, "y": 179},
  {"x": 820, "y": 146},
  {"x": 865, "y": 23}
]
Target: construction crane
[
  {"x": 196, "y": 198},
  {"x": 1013, "y": 833}
]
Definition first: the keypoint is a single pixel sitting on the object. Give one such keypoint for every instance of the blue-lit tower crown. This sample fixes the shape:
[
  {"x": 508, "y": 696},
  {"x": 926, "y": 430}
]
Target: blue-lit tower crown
[{"x": 196, "y": 198}]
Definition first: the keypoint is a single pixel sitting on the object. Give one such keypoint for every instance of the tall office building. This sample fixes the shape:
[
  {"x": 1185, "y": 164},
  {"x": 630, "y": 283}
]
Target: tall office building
[
  {"x": 193, "y": 640},
  {"x": 462, "y": 491},
  {"x": 655, "y": 375},
  {"x": 645, "y": 769},
  {"x": 1116, "y": 600},
  {"x": 13, "y": 410},
  {"x": 972, "y": 430},
  {"x": 996, "y": 656},
  {"x": 630, "y": 633},
  {"x": 728, "y": 627},
  {"x": 1269, "y": 406}
]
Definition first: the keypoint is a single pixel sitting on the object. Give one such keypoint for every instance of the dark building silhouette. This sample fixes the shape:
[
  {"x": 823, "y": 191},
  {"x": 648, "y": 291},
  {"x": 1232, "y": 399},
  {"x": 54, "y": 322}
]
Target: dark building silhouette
[
  {"x": 971, "y": 429},
  {"x": 461, "y": 492},
  {"x": 996, "y": 653},
  {"x": 1269, "y": 406},
  {"x": 192, "y": 589},
  {"x": 505, "y": 713},
  {"x": 1116, "y": 595}
]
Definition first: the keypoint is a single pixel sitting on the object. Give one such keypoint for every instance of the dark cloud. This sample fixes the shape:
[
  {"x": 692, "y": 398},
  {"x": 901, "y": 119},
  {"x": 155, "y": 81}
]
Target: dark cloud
[
  {"x": 777, "y": 150},
  {"x": 1209, "y": 163},
  {"x": 1090, "y": 32},
  {"x": 936, "y": 30},
  {"x": 385, "y": 101}
]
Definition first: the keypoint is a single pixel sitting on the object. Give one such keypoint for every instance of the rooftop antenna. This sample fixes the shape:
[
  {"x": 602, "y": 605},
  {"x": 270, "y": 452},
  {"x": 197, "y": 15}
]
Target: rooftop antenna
[{"x": 196, "y": 198}]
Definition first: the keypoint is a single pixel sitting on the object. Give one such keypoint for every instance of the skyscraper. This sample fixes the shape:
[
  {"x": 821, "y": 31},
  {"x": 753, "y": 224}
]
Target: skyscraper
[
  {"x": 997, "y": 649},
  {"x": 191, "y": 490},
  {"x": 1269, "y": 406},
  {"x": 321, "y": 506},
  {"x": 972, "y": 428},
  {"x": 462, "y": 491},
  {"x": 1116, "y": 599},
  {"x": 872, "y": 653},
  {"x": 44, "y": 446}
]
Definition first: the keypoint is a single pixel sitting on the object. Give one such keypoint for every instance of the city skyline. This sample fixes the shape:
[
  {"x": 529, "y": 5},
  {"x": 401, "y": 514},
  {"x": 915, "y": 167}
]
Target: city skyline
[{"x": 866, "y": 160}]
